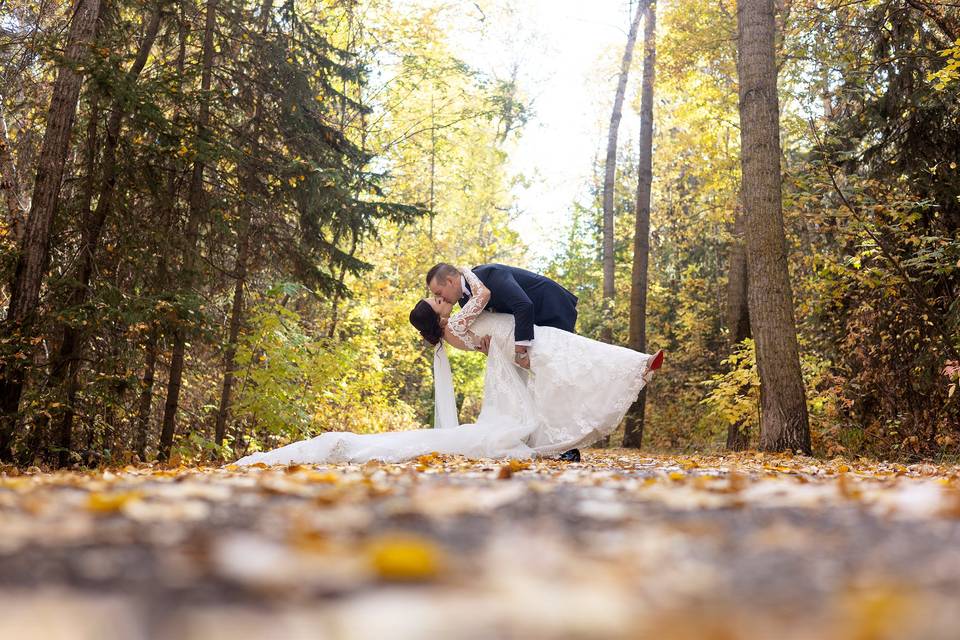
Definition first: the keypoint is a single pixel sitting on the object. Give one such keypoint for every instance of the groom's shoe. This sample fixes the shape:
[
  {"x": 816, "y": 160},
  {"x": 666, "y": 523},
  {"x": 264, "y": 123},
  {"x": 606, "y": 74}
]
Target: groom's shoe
[{"x": 570, "y": 456}]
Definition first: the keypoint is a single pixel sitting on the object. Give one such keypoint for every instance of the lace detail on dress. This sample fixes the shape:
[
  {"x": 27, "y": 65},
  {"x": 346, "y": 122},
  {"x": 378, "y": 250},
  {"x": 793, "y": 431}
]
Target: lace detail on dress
[{"x": 461, "y": 321}]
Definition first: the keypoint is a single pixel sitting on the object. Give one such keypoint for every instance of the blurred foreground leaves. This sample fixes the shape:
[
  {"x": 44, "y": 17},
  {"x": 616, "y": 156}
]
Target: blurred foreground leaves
[{"x": 621, "y": 545}]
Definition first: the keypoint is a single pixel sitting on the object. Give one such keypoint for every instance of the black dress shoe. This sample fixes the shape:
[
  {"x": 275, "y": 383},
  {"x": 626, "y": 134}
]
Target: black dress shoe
[{"x": 570, "y": 456}]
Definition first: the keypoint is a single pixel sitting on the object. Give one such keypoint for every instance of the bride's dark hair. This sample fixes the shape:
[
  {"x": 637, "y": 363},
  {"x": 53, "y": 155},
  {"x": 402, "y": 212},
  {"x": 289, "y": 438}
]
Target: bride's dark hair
[{"x": 427, "y": 322}]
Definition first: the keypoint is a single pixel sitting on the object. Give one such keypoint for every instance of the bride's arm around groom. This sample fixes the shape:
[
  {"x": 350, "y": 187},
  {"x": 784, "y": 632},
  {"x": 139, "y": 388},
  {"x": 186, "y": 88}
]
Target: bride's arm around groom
[{"x": 460, "y": 322}]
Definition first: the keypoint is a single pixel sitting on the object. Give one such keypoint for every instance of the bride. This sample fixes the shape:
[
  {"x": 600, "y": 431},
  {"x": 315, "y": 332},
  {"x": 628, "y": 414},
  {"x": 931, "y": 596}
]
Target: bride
[{"x": 575, "y": 392}]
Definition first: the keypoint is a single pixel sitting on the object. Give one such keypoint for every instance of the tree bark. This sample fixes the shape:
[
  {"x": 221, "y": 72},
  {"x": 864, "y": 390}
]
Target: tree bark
[
  {"x": 738, "y": 314},
  {"x": 67, "y": 359},
  {"x": 633, "y": 430},
  {"x": 196, "y": 204},
  {"x": 783, "y": 421},
  {"x": 34, "y": 255},
  {"x": 10, "y": 182},
  {"x": 236, "y": 316},
  {"x": 146, "y": 394},
  {"x": 609, "y": 177}
]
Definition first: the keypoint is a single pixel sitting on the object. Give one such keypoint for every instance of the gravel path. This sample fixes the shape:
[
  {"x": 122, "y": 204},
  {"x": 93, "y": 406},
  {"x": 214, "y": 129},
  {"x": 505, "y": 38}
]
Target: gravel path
[{"x": 623, "y": 545}]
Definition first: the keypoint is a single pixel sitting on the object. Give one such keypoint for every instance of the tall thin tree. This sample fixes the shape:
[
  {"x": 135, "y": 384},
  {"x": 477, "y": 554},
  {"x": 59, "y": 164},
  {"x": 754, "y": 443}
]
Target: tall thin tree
[
  {"x": 737, "y": 313},
  {"x": 244, "y": 230},
  {"x": 610, "y": 173},
  {"x": 783, "y": 421},
  {"x": 66, "y": 364},
  {"x": 633, "y": 429},
  {"x": 10, "y": 181},
  {"x": 34, "y": 256},
  {"x": 195, "y": 203}
]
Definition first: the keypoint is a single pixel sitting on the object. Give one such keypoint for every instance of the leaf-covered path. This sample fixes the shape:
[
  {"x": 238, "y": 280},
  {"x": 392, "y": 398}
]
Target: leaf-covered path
[{"x": 620, "y": 545}]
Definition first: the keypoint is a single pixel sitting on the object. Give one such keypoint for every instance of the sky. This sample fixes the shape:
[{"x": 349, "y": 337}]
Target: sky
[{"x": 570, "y": 53}]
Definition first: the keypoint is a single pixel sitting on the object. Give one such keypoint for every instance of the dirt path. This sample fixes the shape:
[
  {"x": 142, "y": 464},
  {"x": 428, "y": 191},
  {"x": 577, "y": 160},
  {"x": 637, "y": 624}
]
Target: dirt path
[{"x": 622, "y": 545}]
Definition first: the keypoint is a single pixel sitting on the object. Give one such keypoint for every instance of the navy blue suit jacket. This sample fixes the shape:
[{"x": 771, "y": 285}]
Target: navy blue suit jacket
[{"x": 530, "y": 297}]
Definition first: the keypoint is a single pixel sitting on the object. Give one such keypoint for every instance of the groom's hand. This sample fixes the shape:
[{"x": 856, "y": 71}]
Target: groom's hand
[{"x": 521, "y": 357}]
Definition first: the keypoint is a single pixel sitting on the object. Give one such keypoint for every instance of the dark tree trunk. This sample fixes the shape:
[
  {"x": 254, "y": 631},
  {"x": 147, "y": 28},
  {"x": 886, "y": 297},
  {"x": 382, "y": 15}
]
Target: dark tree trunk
[
  {"x": 10, "y": 183},
  {"x": 196, "y": 204},
  {"x": 236, "y": 315},
  {"x": 40, "y": 442},
  {"x": 609, "y": 178},
  {"x": 633, "y": 430},
  {"x": 72, "y": 344},
  {"x": 146, "y": 394},
  {"x": 34, "y": 256},
  {"x": 738, "y": 315},
  {"x": 783, "y": 420}
]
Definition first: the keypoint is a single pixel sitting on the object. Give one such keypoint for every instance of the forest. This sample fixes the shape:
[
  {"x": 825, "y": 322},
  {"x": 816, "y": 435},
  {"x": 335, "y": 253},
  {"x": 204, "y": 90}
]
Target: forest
[
  {"x": 227, "y": 408},
  {"x": 216, "y": 216}
]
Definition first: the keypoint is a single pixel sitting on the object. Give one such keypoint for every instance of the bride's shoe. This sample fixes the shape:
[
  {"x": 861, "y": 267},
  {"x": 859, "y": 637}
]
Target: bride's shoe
[{"x": 655, "y": 363}]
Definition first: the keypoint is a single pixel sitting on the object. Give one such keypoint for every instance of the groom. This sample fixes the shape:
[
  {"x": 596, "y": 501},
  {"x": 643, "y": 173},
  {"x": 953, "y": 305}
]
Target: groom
[{"x": 531, "y": 298}]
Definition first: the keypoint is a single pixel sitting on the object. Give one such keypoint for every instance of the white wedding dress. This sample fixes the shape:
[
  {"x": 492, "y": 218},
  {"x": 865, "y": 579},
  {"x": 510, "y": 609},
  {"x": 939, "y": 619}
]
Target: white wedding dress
[{"x": 576, "y": 391}]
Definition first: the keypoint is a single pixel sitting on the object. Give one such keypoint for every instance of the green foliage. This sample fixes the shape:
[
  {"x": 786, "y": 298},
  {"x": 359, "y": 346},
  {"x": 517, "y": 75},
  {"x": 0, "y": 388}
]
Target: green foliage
[
  {"x": 734, "y": 396},
  {"x": 295, "y": 385}
]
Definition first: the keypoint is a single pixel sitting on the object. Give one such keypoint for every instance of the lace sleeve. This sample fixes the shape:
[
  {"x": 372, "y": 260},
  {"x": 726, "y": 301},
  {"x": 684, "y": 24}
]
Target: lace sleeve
[{"x": 460, "y": 322}]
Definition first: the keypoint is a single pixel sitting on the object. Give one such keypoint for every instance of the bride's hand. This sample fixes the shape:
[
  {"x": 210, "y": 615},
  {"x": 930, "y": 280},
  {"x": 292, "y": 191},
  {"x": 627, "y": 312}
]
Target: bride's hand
[
  {"x": 484, "y": 345},
  {"x": 443, "y": 322}
]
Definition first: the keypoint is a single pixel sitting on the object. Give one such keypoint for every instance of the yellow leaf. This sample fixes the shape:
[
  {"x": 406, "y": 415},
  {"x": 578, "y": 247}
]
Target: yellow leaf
[
  {"x": 326, "y": 478},
  {"x": 405, "y": 558},
  {"x": 511, "y": 468},
  {"x": 110, "y": 502}
]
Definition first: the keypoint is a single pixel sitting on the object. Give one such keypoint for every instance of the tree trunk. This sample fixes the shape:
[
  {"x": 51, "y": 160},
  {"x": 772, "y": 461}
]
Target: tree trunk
[
  {"x": 10, "y": 183},
  {"x": 73, "y": 341},
  {"x": 34, "y": 254},
  {"x": 633, "y": 430},
  {"x": 738, "y": 315},
  {"x": 146, "y": 394},
  {"x": 196, "y": 203},
  {"x": 783, "y": 420},
  {"x": 39, "y": 443},
  {"x": 236, "y": 315},
  {"x": 610, "y": 172}
]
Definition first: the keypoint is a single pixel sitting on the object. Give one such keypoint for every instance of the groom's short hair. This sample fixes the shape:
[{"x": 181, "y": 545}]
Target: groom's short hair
[{"x": 442, "y": 271}]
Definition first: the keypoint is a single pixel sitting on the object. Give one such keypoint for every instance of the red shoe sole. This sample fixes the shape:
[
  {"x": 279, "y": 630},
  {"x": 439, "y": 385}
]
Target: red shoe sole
[{"x": 657, "y": 361}]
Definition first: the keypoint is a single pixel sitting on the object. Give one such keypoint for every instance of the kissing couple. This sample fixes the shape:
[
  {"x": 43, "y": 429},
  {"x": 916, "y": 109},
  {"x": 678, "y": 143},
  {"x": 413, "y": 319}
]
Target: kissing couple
[{"x": 546, "y": 391}]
